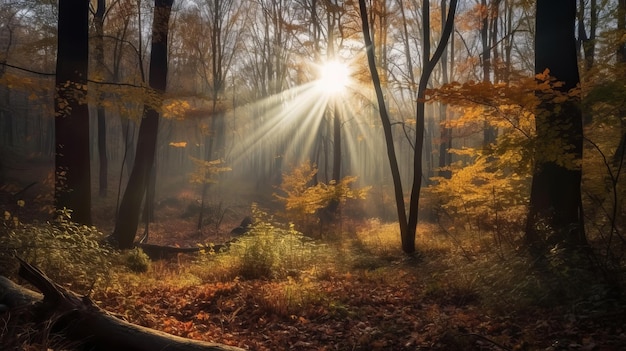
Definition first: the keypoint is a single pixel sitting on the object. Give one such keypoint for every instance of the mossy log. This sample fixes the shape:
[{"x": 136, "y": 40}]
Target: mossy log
[{"x": 80, "y": 320}]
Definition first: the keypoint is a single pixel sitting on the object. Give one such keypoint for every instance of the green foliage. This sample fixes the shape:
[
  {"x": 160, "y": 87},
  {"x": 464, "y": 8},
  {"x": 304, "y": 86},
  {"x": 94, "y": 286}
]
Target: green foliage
[
  {"x": 67, "y": 252},
  {"x": 268, "y": 251},
  {"x": 136, "y": 260}
]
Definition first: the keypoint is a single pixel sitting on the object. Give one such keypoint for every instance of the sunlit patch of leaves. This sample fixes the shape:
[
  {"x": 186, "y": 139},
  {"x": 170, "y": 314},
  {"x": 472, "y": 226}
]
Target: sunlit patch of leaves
[
  {"x": 489, "y": 185},
  {"x": 303, "y": 198},
  {"x": 206, "y": 172}
]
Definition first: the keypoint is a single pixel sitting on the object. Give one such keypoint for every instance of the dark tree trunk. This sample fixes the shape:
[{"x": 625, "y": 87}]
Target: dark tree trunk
[
  {"x": 130, "y": 207},
  {"x": 148, "y": 205},
  {"x": 489, "y": 132},
  {"x": 72, "y": 167},
  {"x": 386, "y": 122},
  {"x": 408, "y": 224},
  {"x": 618, "y": 157},
  {"x": 555, "y": 198},
  {"x": 445, "y": 134},
  {"x": 588, "y": 42},
  {"x": 429, "y": 63},
  {"x": 101, "y": 113}
]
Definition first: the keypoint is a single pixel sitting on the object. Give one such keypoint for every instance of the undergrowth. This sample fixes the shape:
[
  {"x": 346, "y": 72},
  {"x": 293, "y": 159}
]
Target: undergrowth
[
  {"x": 69, "y": 253},
  {"x": 283, "y": 275},
  {"x": 266, "y": 251}
]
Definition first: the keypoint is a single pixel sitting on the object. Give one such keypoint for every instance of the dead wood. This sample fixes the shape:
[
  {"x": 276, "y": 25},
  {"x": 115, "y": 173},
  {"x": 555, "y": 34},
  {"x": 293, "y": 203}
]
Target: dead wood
[
  {"x": 79, "y": 319},
  {"x": 160, "y": 252}
]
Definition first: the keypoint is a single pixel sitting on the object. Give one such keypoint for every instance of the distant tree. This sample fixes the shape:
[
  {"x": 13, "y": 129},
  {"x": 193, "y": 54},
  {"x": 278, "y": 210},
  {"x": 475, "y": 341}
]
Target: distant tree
[
  {"x": 555, "y": 200},
  {"x": 72, "y": 164},
  {"x": 217, "y": 24},
  {"x": 488, "y": 38},
  {"x": 587, "y": 41},
  {"x": 130, "y": 207}
]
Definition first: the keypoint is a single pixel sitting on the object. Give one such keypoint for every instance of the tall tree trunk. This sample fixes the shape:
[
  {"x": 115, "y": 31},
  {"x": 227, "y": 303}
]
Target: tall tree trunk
[
  {"x": 445, "y": 133},
  {"x": 408, "y": 243},
  {"x": 555, "y": 198},
  {"x": 489, "y": 132},
  {"x": 408, "y": 224},
  {"x": 101, "y": 116},
  {"x": 72, "y": 167},
  {"x": 618, "y": 156},
  {"x": 130, "y": 207},
  {"x": 336, "y": 142},
  {"x": 386, "y": 123},
  {"x": 588, "y": 42}
]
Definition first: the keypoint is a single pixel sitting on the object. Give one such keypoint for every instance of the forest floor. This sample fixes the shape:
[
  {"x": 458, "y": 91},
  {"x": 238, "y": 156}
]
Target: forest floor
[
  {"x": 401, "y": 306},
  {"x": 355, "y": 290},
  {"x": 358, "y": 291}
]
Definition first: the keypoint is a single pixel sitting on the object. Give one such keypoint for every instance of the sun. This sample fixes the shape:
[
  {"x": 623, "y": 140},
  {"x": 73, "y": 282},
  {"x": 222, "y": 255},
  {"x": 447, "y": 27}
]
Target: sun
[{"x": 334, "y": 77}]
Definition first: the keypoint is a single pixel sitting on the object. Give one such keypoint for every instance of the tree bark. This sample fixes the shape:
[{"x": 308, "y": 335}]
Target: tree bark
[
  {"x": 98, "y": 19},
  {"x": 618, "y": 156},
  {"x": 72, "y": 162},
  {"x": 555, "y": 198},
  {"x": 130, "y": 207},
  {"x": 82, "y": 321}
]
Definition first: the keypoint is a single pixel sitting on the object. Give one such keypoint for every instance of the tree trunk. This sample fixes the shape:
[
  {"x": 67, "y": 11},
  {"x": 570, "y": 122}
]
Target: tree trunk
[
  {"x": 386, "y": 123},
  {"x": 555, "y": 198},
  {"x": 101, "y": 113},
  {"x": 408, "y": 242},
  {"x": 445, "y": 133},
  {"x": 130, "y": 207},
  {"x": 489, "y": 132},
  {"x": 618, "y": 156},
  {"x": 72, "y": 162},
  {"x": 336, "y": 175},
  {"x": 408, "y": 224},
  {"x": 82, "y": 321}
]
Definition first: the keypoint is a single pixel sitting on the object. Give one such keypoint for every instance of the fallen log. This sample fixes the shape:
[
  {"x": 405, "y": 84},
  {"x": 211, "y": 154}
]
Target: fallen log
[
  {"x": 80, "y": 320},
  {"x": 160, "y": 252}
]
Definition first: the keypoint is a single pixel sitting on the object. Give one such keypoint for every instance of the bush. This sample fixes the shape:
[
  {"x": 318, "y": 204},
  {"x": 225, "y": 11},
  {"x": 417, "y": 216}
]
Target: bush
[
  {"x": 69, "y": 253},
  {"x": 136, "y": 260},
  {"x": 268, "y": 251},
  {"x": 305, "y": 199}
]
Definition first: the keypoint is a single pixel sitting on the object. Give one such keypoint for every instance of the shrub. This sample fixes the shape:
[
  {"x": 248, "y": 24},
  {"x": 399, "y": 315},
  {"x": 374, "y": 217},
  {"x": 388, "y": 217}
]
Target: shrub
[
  {"x": 268, "y": 251},
  {"x": 136, "y": 260},
  {"x": 304, "y": 198},
  {"x": 69, "y": 253}
]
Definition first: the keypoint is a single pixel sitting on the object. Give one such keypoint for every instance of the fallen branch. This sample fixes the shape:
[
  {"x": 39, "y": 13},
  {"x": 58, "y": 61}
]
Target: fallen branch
[
  {"x": 81, "y": 320},
  {"x": 157, "y": 252}
]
